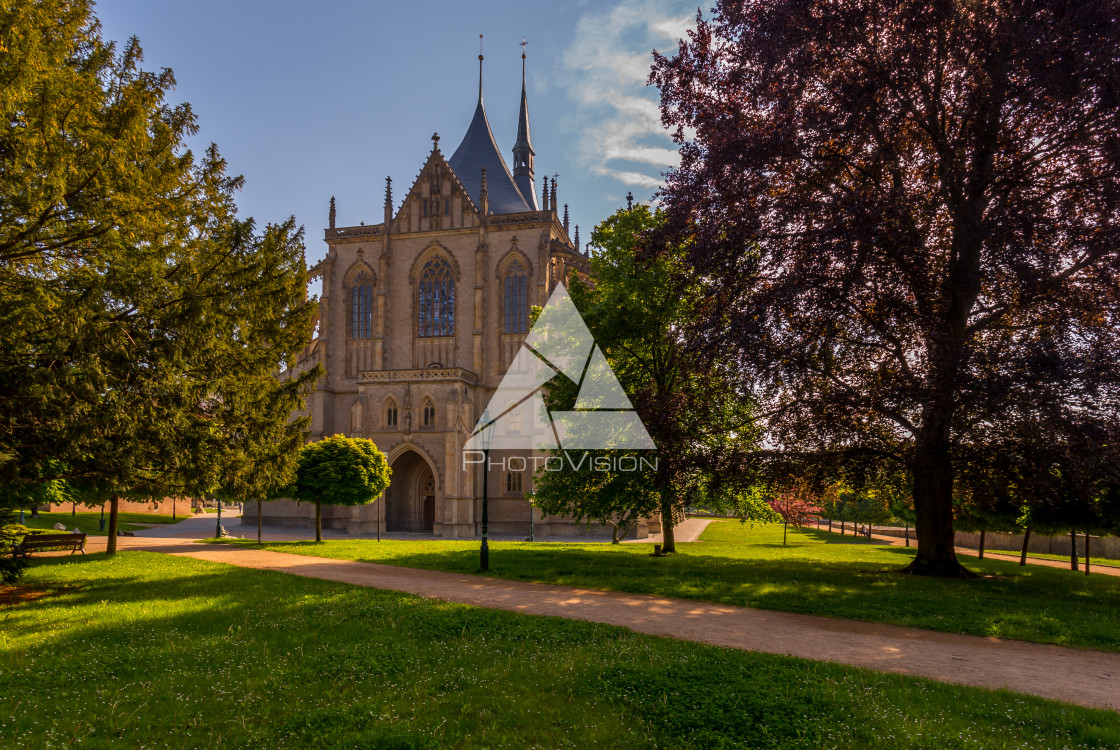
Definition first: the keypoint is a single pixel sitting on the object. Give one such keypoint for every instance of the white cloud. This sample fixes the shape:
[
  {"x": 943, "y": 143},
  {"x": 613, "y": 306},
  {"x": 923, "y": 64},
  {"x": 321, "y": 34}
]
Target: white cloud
[{"x": 605, "y": 71}]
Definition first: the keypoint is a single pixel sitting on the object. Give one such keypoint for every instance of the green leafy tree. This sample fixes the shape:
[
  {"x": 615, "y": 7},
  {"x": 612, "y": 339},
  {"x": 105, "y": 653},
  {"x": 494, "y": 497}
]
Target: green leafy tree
[
  {"x": 340, "y": 470},
  {"x": 635, "y": 308},
  {"x": 140, "y": 312}
]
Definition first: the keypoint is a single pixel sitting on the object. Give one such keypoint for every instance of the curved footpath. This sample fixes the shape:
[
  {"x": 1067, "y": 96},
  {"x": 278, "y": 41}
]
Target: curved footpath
[{"x": 1089, "y": 678}]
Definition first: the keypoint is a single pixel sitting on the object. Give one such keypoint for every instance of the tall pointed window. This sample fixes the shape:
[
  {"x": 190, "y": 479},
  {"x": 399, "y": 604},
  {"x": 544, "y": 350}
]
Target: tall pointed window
[
  {"x": 361, "y": 307},
  {"x": 429, "y": 412},
  {"x": 516, "y": 284},
  {"x": 436, "y": 314},
  {"x": 391, "y": 414}
]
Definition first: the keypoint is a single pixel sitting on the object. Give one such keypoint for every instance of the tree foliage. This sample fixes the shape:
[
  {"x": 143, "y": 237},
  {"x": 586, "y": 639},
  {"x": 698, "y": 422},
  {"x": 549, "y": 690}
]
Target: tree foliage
[
  {"x": 909, "y": 215},
  {"x": 340, "y": 470},
  {"x": 636, "y": 307},
  {"x": 143, "y": 323}
]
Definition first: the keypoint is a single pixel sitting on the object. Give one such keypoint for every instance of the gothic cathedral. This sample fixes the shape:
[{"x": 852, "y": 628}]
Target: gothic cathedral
[{"x": 420, "y": 316}]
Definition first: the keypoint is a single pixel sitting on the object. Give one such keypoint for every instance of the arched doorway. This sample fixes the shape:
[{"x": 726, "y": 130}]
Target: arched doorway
[{"x": 410, "y": 500}]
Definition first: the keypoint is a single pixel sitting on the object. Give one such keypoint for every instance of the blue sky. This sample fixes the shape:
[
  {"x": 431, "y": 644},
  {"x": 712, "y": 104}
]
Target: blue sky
[{"x": 309, "y": 100}]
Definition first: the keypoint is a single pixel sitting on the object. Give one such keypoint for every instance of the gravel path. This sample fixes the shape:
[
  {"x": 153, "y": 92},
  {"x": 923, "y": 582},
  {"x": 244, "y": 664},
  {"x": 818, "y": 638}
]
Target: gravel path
[{"x": 1090, "y": 678}]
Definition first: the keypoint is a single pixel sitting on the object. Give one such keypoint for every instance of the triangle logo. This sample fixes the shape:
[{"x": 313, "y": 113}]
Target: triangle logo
[{"x": 559, "y": 343}]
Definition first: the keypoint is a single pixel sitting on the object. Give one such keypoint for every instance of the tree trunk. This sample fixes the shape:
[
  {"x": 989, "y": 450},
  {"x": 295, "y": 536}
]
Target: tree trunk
[
  {"x": 34, "y": 511},
  {"x": 830, "y": 524},
  {"x": 74, "y": 510},
  {"x": 982, "y": 533},
  {"x": 111, "y": 542},
  {"x": 318, "y": 521},
  {"x": 258, "y": 521},
  {"x": 933, "y": 509},
  {"x": 1086, "y": 553},
  {"x": 841, "y": 528},
  {"x": 1072, "y": 549},
  {"x": 1026, "y": 541},
  {"x": 785, "y": 530},
  {"x": 907, "y": 535}
]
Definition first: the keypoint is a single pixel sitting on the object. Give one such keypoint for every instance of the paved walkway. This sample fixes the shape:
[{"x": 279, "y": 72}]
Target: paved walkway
[
  {"x": 1094, "y": 569},
  {"x": 1089, "y": 678}
]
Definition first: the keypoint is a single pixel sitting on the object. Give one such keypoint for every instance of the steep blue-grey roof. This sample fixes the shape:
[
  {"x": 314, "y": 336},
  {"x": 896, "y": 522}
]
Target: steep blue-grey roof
[{"x": 479, "y": 150}]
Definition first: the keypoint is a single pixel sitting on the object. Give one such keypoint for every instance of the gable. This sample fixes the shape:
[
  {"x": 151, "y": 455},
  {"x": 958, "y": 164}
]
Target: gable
[{"x": 437, "y": 200}]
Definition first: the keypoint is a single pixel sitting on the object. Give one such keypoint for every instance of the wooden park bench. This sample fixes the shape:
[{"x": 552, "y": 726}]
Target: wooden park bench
[{"x": 32, "y": 542}]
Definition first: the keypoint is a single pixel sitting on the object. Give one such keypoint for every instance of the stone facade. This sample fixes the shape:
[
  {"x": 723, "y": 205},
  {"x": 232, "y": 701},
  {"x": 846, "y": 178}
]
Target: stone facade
[{"x": 420, "y": 315}]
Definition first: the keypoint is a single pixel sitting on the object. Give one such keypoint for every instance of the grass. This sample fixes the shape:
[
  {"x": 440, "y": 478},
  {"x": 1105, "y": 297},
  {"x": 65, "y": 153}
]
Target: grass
[
  {"x": 90, "y": 522},
  {"x": 817, "y": 573},
  {"x": 146, "y": 649}
]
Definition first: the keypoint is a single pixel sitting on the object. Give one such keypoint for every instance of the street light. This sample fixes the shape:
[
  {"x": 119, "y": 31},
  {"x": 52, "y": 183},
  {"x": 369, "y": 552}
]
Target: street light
[
  {"x": 532, "y": 503},
  {"x": 486, "y": 437}
]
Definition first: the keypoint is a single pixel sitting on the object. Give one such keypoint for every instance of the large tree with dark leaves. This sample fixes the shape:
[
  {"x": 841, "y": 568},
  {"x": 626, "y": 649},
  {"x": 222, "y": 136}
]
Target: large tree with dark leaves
[{"x": 908, "y": 212}]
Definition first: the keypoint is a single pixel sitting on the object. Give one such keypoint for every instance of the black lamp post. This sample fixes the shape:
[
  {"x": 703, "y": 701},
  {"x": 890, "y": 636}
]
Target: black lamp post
[
  {"x": 218, "y": 526},
  {"x": 101, "y": 523},
  {"x": 532, "y": 503},
  {"x": 486, "y": 438}
]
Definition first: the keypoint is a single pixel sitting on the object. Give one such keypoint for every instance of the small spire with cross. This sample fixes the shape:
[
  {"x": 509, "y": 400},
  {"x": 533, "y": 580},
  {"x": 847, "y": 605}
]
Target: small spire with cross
[
  {"x": 435, "y": 141},
  {"x": 629, "y": 201}
]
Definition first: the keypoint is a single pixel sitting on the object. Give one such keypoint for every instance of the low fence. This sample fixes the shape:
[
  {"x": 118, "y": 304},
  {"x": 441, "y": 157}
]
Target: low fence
[{"x": 1107, "y": 546}]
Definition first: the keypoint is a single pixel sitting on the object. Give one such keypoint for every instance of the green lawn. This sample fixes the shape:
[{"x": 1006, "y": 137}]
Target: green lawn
[
  {"x": 818, "y": 573},
  {"x": 146, "y": 649},
  {"x": 89, "y": 522}
]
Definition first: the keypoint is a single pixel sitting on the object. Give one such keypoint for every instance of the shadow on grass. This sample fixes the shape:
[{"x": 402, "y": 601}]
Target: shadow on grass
[{"x": 163, "y": 650}]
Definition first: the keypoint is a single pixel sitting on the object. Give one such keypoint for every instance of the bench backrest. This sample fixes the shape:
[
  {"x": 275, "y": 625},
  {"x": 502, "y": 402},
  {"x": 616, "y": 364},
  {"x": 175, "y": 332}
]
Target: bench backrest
[{"x": 52, "y": 540}]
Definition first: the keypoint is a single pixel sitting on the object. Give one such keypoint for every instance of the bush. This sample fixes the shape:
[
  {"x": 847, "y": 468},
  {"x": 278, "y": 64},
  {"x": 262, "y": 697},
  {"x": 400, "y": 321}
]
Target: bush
[{"x": 12, "y": 563}]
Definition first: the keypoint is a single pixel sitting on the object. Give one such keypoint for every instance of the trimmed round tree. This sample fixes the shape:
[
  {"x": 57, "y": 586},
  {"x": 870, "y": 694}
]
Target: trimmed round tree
[{"x": 340, "y": 471}]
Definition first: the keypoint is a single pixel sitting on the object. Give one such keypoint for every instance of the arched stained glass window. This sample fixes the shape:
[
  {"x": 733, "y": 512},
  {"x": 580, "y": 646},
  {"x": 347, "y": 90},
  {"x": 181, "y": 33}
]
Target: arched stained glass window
[
  {"x": 516, "y": 285},
  {"x": 437, "y": 299},
  {"x": 361, "y": 307}
]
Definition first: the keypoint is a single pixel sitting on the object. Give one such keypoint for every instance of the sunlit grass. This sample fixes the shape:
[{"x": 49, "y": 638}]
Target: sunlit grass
[
  {"x": 90, "y": 522},
  {"x": 154, "y": 650},
  {"x": 816, "y": 573}
]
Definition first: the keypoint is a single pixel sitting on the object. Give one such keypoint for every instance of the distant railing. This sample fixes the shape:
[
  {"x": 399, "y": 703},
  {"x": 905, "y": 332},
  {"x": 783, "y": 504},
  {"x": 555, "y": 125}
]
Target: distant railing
[{"x": 426, "y": 374}]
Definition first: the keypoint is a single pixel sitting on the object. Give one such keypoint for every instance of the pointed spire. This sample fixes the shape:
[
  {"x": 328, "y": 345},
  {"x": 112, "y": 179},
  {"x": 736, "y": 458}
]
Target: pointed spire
[
  {"x": 544, "y": 196},
  {"x": 523, "y": 152},
  {"x": 566, "y": 219},
  {"x": 331, "y": 214},
  {"x": 576, "y": 242},
  {"x": 552, "y": 198},
  {"x": 480, "y": 69},
  {"x": 435, "y": 141},
  {"x": 388, "y": 199},
  {"x": 478, "y": 149},
  {"x": 629, "y": 201}
]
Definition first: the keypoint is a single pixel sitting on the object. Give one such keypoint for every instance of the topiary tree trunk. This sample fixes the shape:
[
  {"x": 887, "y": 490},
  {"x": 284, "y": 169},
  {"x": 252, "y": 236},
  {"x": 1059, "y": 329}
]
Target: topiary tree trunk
[{"x": 318, "y": 520}]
